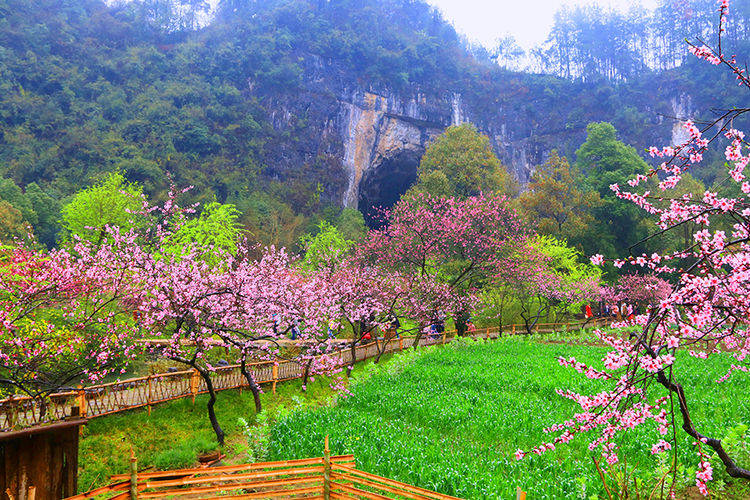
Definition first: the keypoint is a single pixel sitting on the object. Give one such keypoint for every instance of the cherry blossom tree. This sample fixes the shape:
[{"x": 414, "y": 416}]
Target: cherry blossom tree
[
  {"x": 61, "y": 319},
  {"x": 460, "y": 242},
  {"x": 245, "y": 305},
  {"x": 706, "y": 313},
  {"x": 425, "y": 298},
  {"x": 640, "y": 290},
  {"x": 210, "y": 294},
  {"x": 544, "y": 277},
  {"x": 364, "y": 299}
]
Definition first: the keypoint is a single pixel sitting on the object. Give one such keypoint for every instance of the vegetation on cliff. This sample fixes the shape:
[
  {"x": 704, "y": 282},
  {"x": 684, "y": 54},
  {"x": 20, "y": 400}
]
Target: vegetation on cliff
[{"x": 236, "y": 101}]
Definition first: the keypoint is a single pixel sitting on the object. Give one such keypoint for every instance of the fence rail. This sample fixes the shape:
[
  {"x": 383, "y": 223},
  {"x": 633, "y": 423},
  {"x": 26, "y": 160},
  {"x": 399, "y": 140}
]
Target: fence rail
[
  {"x": 114, "y": 397},
  {"x": 327, "y": 477}
]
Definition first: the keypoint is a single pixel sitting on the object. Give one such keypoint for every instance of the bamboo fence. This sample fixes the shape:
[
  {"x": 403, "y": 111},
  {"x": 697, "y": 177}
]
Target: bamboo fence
[
  {"x": 105, "y": 399},
  {"x": 327, "y": 477}
]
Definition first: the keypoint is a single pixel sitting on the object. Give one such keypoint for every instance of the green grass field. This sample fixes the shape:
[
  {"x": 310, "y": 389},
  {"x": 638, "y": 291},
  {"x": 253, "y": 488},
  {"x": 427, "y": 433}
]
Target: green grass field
[
  {"x": 445, "y": 418},
  {"x": 176, "y": 432},
  {"x": 451, "y": 418}
]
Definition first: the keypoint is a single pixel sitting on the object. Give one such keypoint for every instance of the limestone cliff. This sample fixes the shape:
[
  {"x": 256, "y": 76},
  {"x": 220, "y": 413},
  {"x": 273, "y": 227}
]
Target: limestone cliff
[{"x": 375, "y": 137}]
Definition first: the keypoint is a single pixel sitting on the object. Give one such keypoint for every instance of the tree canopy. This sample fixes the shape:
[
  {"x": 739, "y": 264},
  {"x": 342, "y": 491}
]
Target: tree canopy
[
  {"x": 110, "y": 202},
  {"x": 560, "y": 203},
  {"x": 461, "y": 162},
  {"x": 605, "y": 161}
]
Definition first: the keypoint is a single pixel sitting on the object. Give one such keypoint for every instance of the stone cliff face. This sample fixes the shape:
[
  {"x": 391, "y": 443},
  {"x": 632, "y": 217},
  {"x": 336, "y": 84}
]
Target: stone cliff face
[
  {"x": 373, "y": 139},
  {"x": 384, "y": 137}
]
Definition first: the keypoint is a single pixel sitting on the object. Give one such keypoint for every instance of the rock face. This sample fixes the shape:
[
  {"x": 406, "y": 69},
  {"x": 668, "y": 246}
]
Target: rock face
[
  {"x": 383, "y": 141},
  {"x": 682, "y": 109},
  {"x": 372, "y": 139},
  {"x": 384, "y": 136}
]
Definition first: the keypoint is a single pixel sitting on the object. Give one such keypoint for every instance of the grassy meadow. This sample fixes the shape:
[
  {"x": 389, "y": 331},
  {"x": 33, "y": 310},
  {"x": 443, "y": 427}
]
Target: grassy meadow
[
  {"x": 447, "y": 418},
  {"x": 451, "y": 418}
]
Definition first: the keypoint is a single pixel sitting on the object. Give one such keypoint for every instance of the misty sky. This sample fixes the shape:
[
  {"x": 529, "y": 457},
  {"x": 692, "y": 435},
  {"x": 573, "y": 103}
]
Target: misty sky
[{"x": 528, "y": 21}]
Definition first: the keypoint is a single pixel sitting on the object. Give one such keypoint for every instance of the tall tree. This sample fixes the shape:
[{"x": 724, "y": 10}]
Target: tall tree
[
  {"x": 63, "y": 319},
  {"x": 12, "y": 225},
  {"x": 211, "y": 236},
  {"x": 461, "y": 242},
  {"x": 326, "y": 249},
  {"x": 47, "y": 211},
  {"x": 461, "y": 162},
  {"x": 111, "y": 202},
  {"x": 561, "y": 204},
  {"x": 604, "y": 161}
]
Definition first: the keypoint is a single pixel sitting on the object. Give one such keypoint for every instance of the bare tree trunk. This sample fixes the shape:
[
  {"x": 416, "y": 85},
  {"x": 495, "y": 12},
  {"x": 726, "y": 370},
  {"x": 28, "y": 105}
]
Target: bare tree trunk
[
  {"x": 461, "y": 320},
  {"x": 306, "y": 374},
  {"x": 206, "y": 376},
  {"x": 357, "y": 336},
  {"x": 254, "y": 388},
  {"x": 418, "y": 336},
  {"x": 687, "y": 422},
  {"x": 528, "y": 322},
  {"x": 381, "y": 348},
  {"x": 211, "y": 402},
  {"x": 687, "y": 425},
  {"x": 353, "y": 350}
]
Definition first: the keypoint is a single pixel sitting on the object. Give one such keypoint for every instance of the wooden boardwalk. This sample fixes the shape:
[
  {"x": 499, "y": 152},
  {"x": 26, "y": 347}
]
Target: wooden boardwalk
[{"x": 106, "y": 399}]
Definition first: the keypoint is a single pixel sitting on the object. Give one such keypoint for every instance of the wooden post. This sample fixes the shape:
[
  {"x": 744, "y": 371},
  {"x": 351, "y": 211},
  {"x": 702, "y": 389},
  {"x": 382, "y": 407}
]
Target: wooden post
[
  {"x": 12, "y": 412},
  {"x": 537, "y": 328},
  {"x": 326, "y": 471},
  {"x": 194, "y": 384},
  {"x": 444, "y": 335},
  {"x": 148, "y": 401},
  {"x": 22, "y": 486},
  {"x": 400, "y": 343},
  {"x": 275, "y": 376},
  {"x": 520, "y": 494},
  {"x": 487, "y": 333},
  {"x": 514, "y": 329},
  {"x": 81, "y": 402},
  {"x": 133, "y": 475}
]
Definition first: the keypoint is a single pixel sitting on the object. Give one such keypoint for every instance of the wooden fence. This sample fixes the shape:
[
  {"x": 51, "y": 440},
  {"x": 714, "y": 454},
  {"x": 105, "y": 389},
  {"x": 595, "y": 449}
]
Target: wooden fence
[
  {"x": 105, "y": 399},
  {"x": 324, "y": 478}
]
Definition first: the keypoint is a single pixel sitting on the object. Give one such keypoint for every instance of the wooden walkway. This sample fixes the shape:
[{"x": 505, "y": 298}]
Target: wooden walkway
[{"x": 106, "y": 399}]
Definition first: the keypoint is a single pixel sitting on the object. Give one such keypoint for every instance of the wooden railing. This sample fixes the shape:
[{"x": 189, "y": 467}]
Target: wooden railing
[
  {"x": 105, "y": 399},
  {"x": 325, "y": 478}
]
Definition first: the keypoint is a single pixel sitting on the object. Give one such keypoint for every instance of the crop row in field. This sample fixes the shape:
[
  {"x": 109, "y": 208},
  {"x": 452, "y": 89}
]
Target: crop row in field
[{"x": 449, "y": 419}]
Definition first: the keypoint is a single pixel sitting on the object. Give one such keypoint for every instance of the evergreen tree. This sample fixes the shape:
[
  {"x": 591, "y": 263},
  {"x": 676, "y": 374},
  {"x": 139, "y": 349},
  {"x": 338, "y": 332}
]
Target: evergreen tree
[
  {"x": 604, "y": 161},
  {"x": 561, "y": 204},
  {"x": 111, "y": 202}
]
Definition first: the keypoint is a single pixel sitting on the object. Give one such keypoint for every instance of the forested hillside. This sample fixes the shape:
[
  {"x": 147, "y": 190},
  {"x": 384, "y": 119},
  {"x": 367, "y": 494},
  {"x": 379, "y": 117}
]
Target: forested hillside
[{"x": 259, "y": 104}]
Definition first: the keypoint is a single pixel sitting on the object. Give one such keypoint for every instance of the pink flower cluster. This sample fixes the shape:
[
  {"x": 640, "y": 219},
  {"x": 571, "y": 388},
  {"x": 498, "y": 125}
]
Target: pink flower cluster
[{"x": 700, "y": 302}]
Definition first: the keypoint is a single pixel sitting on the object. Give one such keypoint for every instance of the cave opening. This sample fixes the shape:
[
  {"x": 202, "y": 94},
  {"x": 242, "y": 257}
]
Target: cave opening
[{"x": 383, "y": 184}]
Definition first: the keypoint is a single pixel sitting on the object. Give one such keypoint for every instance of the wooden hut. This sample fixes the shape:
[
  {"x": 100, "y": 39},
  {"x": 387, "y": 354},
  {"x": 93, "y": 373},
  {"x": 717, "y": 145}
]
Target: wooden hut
[{"x": 40, "y": 463}]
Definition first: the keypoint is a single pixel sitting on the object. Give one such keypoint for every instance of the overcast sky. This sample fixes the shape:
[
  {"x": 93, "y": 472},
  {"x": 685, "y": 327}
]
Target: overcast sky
[{"x": 528, "y": 21}]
